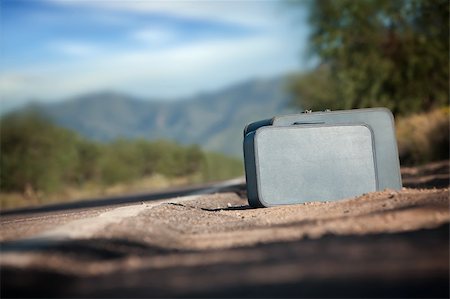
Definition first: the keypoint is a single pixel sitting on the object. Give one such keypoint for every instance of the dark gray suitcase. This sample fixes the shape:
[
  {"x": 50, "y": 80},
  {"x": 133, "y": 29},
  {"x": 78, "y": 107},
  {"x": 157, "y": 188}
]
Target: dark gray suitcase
[{"x": 320, "y": 156}]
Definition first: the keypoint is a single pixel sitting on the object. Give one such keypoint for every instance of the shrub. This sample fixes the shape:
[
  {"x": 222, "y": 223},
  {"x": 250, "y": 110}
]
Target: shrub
[
  {"x": 35, "y": 154},
  {"x": 424, "y": 137}
]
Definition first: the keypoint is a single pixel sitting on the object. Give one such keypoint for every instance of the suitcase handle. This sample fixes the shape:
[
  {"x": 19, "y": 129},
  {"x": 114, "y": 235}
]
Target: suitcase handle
[{"x": 309, "y": 123}]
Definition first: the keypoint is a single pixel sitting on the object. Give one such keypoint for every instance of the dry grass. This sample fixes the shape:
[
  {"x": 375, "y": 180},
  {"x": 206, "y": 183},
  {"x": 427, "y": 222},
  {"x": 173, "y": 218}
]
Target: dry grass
[{"x": 424, "y": 137}]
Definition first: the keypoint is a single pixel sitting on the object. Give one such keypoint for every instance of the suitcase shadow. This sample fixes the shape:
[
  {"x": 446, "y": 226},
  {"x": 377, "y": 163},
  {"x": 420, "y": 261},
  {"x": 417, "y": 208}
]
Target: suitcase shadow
[{"x": 234, "y": 208}]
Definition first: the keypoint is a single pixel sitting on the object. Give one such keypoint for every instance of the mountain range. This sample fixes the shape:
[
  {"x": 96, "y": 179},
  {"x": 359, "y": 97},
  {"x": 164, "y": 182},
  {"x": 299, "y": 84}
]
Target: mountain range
[{"x": 213, "y": 120}]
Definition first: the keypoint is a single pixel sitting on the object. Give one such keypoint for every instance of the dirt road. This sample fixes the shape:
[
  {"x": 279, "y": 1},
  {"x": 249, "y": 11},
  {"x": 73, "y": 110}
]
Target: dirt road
[{"x": 383, "y": 244}]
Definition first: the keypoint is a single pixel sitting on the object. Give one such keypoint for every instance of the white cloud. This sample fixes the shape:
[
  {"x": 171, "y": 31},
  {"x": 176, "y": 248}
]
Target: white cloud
[
  {"x": 154, "y": 35},
  {"x": 74, "y": 48},
  {"x": 153, "y": 72},
  {"x": 176, "y": 72},
  {"x": 249, "y": 13},
  {"x": 12, "y": 82}
]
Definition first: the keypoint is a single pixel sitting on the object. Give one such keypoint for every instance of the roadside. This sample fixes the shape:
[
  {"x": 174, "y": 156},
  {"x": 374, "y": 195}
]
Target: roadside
[{"x": 383, "y": 244}]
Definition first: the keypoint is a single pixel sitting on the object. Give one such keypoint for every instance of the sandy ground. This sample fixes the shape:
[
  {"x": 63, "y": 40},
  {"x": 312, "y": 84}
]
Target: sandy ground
[{"x": 383, "y": 244}]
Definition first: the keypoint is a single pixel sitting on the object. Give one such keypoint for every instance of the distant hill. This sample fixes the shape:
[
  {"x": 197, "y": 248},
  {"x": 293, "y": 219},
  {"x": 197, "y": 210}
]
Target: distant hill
[{"x": 213, "y": 120}]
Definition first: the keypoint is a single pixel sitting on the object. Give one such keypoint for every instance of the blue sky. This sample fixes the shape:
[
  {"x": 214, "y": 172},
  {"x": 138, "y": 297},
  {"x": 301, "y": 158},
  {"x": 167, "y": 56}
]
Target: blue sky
[{"x": 52, "y": 50}]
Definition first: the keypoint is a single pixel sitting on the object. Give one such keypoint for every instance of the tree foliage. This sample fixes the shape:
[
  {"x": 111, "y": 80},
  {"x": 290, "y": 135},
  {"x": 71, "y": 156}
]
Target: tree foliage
[
  {"x": 37, "y": 155},
  {"x": 377, "y": 53}
]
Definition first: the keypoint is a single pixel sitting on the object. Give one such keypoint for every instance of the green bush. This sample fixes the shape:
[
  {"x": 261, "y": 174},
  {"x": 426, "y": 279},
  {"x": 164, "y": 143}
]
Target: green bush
[
  {"x": 38, "y": 156},
  {"x": 217, "y": 167},
  {"x": 35, "y": 154}
]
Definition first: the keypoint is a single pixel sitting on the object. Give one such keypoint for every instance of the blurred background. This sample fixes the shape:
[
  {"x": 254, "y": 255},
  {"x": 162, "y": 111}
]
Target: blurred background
[{"x": 110, "y": 97}]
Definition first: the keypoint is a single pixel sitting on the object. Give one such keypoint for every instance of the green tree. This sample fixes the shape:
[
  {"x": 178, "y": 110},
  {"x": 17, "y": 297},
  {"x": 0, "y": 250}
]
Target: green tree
[
  {"x": 377, "y": 53},
  {"x": 35, "y": 154},
  {"x": 219, "y": 167},
  {"x": 120, "y": 162},
  {"x": 193, "y": 159},
  {"x": 89, "y": 155}
]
